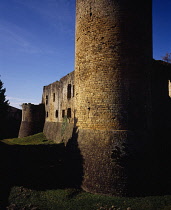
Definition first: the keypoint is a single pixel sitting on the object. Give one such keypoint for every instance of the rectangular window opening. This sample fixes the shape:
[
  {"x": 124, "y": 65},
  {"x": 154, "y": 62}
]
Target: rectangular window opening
[
  {"x": 69, "y": 91},
  {"x": 54, "y": 97},
  {"x": 73, "y": 89},
  {"x": 56, "y": 114},
  {"x": 46, "y": 99},
  {"x": 69, "y": 113},
  {"x": 63, "y": 113}
]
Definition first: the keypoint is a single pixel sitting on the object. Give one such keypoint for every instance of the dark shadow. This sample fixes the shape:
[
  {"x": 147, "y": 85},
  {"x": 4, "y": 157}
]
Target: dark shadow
[
  {"x": 146, "y": 159},
  {"x": 74, "y": 161},
  {"x": 159, "y": 151},
  {"x": 5, "y": 184},
  {"x": 40, "y": 167},
  {"x": 10, "y": 123}
]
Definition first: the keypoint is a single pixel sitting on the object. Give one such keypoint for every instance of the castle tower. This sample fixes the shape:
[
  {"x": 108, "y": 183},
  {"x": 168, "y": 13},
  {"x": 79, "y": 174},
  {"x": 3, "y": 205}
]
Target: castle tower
[
  {"x": 33, "y": 117},
  {"x": 113, "y": 58}
]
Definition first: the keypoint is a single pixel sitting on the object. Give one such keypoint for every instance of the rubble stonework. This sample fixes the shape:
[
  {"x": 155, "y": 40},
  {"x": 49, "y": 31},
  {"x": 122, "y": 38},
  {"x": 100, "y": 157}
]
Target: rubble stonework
[
  {"x": 112, "y": 64},
  {"x": 32, "y": 119},
  {"x": 58, "y": 98},
  {"x": 113, "y": 111}
]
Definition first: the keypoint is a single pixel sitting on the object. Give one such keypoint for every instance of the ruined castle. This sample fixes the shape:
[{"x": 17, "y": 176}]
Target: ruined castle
[{"x": 115, "y": 106}]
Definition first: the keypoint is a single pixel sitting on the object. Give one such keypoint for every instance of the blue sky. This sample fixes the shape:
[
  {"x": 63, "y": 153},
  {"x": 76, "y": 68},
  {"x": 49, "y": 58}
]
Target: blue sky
[{"x": 37, "y": 43}]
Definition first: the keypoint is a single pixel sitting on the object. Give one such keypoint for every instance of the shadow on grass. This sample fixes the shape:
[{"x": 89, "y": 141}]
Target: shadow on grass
[{"x": 39, "y": 167}]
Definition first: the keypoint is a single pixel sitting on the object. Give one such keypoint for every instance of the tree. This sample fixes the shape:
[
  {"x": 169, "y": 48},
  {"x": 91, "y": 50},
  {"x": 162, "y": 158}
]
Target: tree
[
  {"x": 167, "y": 58},
  {"x": 4, "y": 104}
]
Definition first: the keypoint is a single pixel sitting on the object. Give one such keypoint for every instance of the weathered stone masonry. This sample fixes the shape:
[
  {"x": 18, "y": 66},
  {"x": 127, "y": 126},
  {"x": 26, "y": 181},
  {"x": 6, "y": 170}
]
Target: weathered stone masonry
[
  {"x": 33, "y": 118},
  {"x": 107, "y": 112},
  {"x": 112, "y": 63},
  {"x": 58, "y": 98}
]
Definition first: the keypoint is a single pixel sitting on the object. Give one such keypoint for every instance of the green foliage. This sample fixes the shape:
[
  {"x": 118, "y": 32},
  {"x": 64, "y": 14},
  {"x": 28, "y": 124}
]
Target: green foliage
[
  {"x": 3, "y": 102},
  {"x": 20, "y": 197},
  {"x": 74, "y": 199},
  {"x": 36, "y": 139},
  {"x": 64, "y": 125},
  {"x": 4, "y": 105}
]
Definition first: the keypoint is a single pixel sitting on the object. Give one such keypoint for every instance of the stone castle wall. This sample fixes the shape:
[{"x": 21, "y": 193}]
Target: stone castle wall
[
  {"x": 115, "y": 60},
  {"x": 32, "y": 119},
  {"x": 58, "y": 98},
  {"x": 160, "y": 88},
  {"x": 101, "y": 147},
  {"x": 108, "y": 110},
  {"x": 112, "y": 64}
]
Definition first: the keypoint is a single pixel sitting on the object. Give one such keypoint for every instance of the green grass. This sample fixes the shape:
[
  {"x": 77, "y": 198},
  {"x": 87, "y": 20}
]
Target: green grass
[
  {"x": 20, "y": 197},
  {"x": 73, "y": 199},
  {"x": 36, "y": 139}
]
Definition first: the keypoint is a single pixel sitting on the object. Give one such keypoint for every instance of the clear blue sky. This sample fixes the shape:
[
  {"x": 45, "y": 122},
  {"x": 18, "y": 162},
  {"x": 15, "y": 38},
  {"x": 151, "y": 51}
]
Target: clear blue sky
[{"x": 37, "y": 43}]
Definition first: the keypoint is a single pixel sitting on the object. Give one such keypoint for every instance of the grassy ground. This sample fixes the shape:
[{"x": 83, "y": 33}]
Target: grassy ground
[
  {"x": 29, "y": 164},
  {"x": 37, "y": 139},
  {"x": 72, "y": 199}
]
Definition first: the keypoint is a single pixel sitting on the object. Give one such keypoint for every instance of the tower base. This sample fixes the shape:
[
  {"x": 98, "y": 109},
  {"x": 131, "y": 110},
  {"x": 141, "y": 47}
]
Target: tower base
[{"x": 114, "y": 162}]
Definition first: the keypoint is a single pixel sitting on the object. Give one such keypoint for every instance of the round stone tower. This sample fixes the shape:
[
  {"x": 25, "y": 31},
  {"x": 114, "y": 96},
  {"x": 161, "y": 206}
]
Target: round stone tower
[
  {"x": 33, "y": 117},
  {"x": 113, "y": 60}
]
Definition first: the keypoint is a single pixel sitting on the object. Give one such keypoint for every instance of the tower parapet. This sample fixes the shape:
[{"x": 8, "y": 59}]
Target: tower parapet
[{"x": 33, "y": 117}]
